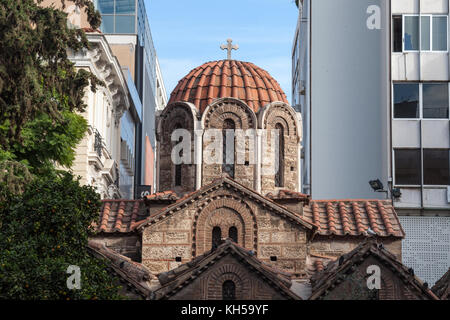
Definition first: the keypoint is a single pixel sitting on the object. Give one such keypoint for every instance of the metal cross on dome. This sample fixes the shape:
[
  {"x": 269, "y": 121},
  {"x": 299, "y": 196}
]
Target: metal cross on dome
[{"x": 229, "y": 47}]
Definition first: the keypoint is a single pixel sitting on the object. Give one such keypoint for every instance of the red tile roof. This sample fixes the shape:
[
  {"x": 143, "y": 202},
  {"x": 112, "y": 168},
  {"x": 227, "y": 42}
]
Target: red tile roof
[
  {"x": 121, "y": 215},
  {"x": 228, "y": 78},
  {"x": 132, "y": 273},
  {"x": 354, "y": 217}
]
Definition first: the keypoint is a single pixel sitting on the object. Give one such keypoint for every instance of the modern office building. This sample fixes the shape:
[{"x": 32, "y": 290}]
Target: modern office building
[
  {"x": 371, "y": 79},
  {"x": 126, "y": 26}
]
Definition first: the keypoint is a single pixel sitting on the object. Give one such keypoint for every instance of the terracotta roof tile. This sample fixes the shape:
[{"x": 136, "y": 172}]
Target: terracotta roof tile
[
  {"x": 121, "y": 216},
  {"x": 353, "y": 217},
  {"x": 228, "y": 78}
]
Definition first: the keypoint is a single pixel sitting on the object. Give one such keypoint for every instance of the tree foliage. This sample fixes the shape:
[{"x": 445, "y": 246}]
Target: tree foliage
[
  {"x": 42, "y": 232},
  {"x": 36, "y": 75},
  {"x": 45, "y": 215}
]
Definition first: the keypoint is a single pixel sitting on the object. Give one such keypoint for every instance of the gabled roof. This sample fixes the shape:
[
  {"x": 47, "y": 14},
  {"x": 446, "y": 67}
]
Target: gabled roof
[
  {"x": 176, "y": 279},
  {"x": 353, "y": 217},
  {"x": 338, "y": 269},
  {"x": 226, "y": 182},
  {"x": 134, "y": 274},
  {"x": 442, "y": 287},
  {"x": 121, "y": 216}
]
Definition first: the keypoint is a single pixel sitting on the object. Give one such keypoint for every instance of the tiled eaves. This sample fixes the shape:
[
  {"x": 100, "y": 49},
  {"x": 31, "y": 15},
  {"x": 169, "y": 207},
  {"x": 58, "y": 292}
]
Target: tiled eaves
[
  {"x": 132, "y": 273},
  {"x": 354, "y": 217},
  {"x": 120, "y": 216}
]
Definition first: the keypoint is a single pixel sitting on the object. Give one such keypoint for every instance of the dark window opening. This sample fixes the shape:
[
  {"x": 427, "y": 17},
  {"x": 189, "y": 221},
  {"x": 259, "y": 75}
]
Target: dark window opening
[
  {"x": 397, "y": 33},
  {"x": 407, "y": 167},
  {"x": 178, "y": 259},
  {"x": 229, "y": 290},
  {"x": 436, "y": 167},
  {"x": 178, "y": 175},
  {"x": 279, "y": 149},
  {"x": 406, "y": 100},
  {"x": 228, "y": 157},
  {"x": 216, "y": 237},
  {"x": 435, "y": 100},
  {"x": 233, "y": 234},
  {"x": 273, "y": 258}
]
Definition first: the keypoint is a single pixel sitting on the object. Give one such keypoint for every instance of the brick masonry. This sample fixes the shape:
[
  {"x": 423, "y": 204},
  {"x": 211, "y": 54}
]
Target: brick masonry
[{"x": 208, "y": 286}]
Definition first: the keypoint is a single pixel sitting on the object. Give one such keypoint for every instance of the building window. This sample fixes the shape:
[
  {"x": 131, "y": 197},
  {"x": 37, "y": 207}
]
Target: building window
[
  {"x": 406, "y": 100},
  {"x": 177, "y": 175},
  {"x": 436, "y": 167},
  {"x": 118, "y": 16},
  {"x": 429, "y": 33},
  {"x": 397, "y": 33},
  {"x": 228, "y": 153},
  {"x": 421, "y": 100},
  {"x": 216, "y": 237},
  {"x": 279, "y": 150},
  {"x": 407, "y": 167},
  {"x": 124, "y": 24},
  {"x": 125, "y": 6},
  {"x": 233, "y": 234},
  {"x": 228, "y": 290},
  {"x": 435, "y": 100},
  {"x": 411, "y": 33},
  {"x": 439, "y": 38},
  {"x": 105, "y": 6}
]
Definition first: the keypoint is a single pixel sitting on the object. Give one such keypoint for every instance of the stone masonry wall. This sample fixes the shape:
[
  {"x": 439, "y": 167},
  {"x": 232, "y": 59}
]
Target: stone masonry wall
[
  {"x": 188, "y": 232},
  {"x": 208, "y": 286},
  {"x": 335, "y": 247}
]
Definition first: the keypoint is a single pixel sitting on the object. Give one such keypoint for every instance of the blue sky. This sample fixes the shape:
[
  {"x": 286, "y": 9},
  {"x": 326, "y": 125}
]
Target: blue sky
[{"x": 187, "y": 34}]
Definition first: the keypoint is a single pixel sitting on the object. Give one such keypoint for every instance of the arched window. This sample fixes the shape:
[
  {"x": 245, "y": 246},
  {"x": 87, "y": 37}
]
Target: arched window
[
  {"x": 228, "y": 157},
  {"x": 279, "y": 150},
  {"x": 233, "y": 234},
  {"x": 216, "y": 237},
  {"x": 178, "y": 166},
  {"x": 228, "y": 290}
]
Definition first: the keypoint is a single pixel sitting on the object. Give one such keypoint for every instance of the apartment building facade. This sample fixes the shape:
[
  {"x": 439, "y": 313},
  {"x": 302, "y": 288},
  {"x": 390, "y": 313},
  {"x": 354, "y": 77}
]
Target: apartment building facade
[
  {"x": 125, "y": 24},
  {"x": 388, "y": 59}
]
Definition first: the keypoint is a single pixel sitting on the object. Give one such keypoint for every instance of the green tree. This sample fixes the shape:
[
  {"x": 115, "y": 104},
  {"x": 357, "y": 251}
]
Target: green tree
[
  {"x": 45, "y": 215},
  {"x": 40, "y": 90},
  {"x": 42, "y": 232}
]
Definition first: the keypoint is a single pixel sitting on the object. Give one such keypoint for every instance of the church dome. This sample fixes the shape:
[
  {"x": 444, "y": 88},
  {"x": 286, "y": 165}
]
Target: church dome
[{"x": 228, "y": 78}]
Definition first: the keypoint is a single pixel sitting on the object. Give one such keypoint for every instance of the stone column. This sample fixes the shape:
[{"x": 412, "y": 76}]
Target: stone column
[
  {"x": 258, "y": 148},
  {"x": 198, "y": 148}
]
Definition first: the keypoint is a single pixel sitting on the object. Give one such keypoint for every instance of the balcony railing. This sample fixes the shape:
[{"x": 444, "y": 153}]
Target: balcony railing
[{"x": 98, "y": 142}]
